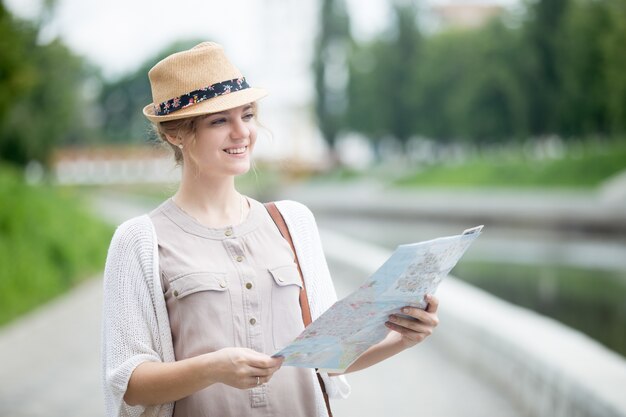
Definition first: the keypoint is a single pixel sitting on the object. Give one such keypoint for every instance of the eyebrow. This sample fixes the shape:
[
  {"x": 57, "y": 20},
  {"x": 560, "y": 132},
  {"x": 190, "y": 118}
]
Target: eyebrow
[{"x": 246, "y": 108}]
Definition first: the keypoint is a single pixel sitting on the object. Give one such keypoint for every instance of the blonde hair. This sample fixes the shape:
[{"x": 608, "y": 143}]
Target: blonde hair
[{"x": 179, "y": 129}]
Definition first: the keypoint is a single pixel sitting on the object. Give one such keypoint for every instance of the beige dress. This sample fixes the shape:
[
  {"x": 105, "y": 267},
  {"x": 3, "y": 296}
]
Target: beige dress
[{"x": 233, "y": 287}]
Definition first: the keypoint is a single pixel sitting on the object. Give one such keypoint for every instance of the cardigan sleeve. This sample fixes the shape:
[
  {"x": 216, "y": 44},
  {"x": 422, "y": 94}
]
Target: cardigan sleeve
[
  {"x": 319, "y": 285},
  {"x": 129, "y": 320}
]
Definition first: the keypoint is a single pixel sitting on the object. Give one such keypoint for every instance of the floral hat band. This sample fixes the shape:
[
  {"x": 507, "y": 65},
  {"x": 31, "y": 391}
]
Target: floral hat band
[{"x": 197, "y": 96}]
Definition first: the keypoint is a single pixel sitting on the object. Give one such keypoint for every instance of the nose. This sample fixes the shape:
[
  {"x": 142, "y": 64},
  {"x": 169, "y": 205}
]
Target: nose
[{"x": 239, "y": 129}]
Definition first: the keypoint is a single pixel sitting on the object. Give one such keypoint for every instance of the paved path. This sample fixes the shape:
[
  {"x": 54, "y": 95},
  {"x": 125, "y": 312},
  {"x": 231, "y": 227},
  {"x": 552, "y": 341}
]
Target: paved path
[
  {"x": 49, "y": 364},
  {"x": 423, "y": 381},
  {"x": 50, "y": 359},
  {"x": 54, "y": 369}
]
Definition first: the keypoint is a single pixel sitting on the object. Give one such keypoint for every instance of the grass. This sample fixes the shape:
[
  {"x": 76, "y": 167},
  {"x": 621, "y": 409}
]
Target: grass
[
  {"x": 582, "y": 166},
  {"x": 48, "y": 243}
]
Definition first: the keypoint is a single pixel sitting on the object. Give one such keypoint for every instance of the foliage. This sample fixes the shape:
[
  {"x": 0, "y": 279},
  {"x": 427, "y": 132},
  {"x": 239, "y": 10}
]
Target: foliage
[
  {"x": 332, "y": 45},
  {"x": 48, "y": 243},
  {"x": 121, "y": 101},
  {"x": 558, "y": 68},
  {"x": 40, "y": 93},
  {"x": 613, "y": 41},
  {"x": 383, "y": 73},
  {"x": 542, "y": 36}
]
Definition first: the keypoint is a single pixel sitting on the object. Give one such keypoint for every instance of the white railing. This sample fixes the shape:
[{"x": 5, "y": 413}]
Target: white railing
[
  {"x": 545, "y": 368},
  {"x": 116, "y": 171}
]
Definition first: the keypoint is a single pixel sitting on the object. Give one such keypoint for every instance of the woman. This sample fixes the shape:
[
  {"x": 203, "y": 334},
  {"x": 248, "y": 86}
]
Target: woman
[{"x": 201, "y": 291}]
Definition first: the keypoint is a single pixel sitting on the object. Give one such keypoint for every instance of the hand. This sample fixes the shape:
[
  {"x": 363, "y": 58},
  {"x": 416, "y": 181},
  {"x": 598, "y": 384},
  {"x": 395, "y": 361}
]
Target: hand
[
  {"x": 243, "y": 368},
  {"x": 419, "y": 326}
]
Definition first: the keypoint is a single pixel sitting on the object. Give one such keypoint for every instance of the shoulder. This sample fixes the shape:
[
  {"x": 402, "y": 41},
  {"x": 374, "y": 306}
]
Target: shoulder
[
  {"x": 300, "y": 221},
  {"x": 134, "y": 233},
  {"x": 295, "y": 212},
  {"x": 131, "y": 254}
]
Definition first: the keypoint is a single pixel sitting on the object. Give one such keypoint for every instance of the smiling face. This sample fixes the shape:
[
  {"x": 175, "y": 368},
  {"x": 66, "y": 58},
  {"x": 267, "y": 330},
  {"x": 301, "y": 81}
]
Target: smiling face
[{"x": 223, "y": 142}]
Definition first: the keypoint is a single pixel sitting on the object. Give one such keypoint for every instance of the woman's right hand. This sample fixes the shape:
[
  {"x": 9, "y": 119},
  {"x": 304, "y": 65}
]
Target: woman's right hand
[
  {"x": 240, "y": 367},
  {"x": 163, "y": 382}
]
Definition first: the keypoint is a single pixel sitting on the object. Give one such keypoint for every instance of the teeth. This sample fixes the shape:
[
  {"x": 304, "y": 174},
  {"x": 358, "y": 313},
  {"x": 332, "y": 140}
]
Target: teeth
[{"x": 236, "y": 150}]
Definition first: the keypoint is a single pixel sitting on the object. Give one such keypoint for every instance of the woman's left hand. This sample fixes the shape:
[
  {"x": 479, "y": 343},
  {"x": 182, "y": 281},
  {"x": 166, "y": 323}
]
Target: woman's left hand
[{"x": 418, "y": 326}]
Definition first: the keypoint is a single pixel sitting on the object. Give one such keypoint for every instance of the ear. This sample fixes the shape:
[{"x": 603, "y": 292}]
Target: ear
[{"x": 173, "y": 140}]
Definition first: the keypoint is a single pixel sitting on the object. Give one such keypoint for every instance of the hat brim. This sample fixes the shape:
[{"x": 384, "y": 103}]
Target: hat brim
[{"x": 213, "y": 105}]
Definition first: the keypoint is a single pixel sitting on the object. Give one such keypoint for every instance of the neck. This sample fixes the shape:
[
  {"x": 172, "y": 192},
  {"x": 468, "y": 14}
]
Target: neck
[{"x": 213, "y": 202}]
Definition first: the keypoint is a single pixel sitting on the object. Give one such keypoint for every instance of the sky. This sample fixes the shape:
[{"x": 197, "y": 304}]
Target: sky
[
  {"x": 118, "y": 35},
  {"x": 270, "y": 41}
]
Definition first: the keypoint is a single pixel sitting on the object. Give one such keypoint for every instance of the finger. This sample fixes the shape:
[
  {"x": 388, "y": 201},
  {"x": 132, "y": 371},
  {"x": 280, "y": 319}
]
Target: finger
[
  {"x": 420, "y": 315},
  {"x": 263, "y": 372},
  {"x": 408, "y": 333},
  {"x": 256, "y": 381},
  {"x": 259, "y": 380},
  {"x": 433, "y": 303},
  {"x": 279, "y": 361},
  {"x": 263, "y": 361},
  {"x": 411, "y": 324},
  {"x": 274, "y": 370}
]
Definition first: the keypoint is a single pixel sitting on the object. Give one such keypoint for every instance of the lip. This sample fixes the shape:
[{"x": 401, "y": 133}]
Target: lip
[{"x": 236, "y": 155}]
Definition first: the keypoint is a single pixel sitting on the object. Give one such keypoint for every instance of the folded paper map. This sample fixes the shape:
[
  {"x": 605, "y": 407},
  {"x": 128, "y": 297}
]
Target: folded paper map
[{"x": 348, "y": 328}]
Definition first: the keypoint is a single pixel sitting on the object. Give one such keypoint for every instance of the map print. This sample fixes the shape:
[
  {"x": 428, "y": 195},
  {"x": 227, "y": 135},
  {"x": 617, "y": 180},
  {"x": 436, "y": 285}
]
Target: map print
[{"x": 348, "y": 328}]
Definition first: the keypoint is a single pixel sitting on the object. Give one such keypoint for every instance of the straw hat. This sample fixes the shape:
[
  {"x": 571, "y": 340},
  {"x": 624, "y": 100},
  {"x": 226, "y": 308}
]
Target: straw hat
[{"x": 197, "y": 81}]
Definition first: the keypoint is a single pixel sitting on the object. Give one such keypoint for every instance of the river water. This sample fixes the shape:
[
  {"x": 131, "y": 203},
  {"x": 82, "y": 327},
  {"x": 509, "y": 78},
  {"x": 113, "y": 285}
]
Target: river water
[{"x": 574, "y": 278}]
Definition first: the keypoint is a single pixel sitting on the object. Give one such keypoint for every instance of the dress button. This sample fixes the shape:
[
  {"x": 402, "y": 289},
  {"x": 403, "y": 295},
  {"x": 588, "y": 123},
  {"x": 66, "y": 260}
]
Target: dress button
[
  {"x": 248, "y": 285},
  {"x": 253, "y": 321},
  {"x": 175, "y": 293},
  {"x": 239, "y": 258},
  {"x": 222, "y": 284},
  {"x": 228, "y": 232}
]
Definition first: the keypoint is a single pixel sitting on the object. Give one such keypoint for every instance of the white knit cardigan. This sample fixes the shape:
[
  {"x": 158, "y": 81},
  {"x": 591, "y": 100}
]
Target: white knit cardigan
[{"x": 135, "y": 321}]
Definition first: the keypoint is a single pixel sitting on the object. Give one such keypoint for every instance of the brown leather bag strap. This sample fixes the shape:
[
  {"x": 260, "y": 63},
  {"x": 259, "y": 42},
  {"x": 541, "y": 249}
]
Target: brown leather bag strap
[
  {"x": 284, "y": 230},
  {"x": 304, "y": 301}
]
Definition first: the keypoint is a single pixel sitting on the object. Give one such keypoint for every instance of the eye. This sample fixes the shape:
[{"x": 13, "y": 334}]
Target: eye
[
  {"x": 217, "y": 122},
  {"x": 248, "y": 116}
]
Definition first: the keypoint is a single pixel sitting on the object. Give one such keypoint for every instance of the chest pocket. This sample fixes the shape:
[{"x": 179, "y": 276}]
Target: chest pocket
[
  {"x": 286, "y": 312},
  {"x": 200, "y": 308},
  {"x": 194, "y": 282}
]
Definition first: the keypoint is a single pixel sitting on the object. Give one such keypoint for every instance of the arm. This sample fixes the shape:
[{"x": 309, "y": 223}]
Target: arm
[
  {"x": 406, "y": 332},
  {"x": 163, "y": 382}
]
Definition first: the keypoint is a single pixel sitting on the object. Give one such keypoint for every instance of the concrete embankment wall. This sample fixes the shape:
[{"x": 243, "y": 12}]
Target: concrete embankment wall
[{"x": 546, "y": 368}]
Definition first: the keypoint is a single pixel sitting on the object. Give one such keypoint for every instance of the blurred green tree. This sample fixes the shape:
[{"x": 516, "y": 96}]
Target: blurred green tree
[
  {"x": 121, "y": 100},
  {"x": 557, "y": 68},
  {"x": 40, "y": 92},
  {"x": 542, "y": 46},
  {"x": 614, "y": 60},
  {"x": 382, "y": 78},
  {"x": 489, "y": 103},
  {"x": 399, "y": 67},
  {"x": 581, "y": 107},
  {"x": 330, "y": 69}
]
